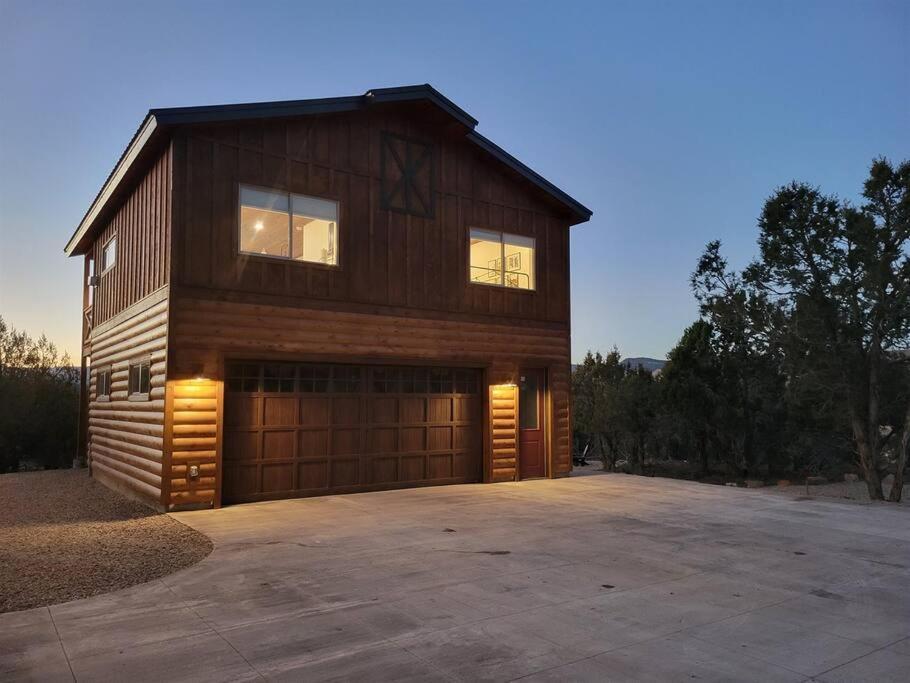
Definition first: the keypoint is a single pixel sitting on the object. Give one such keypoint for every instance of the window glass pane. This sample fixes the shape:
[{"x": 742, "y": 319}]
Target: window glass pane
[
  {"x": 486, "y": 257},
  {"x": 519, "y": 261},
  {"x": 279, "y": 377},
  {"x": 133, "y": 384},
  {"x": 264, "y": 222},
  {"x": 315, "y": 231},
  {"x": 314, "y": 378},
  {"x": 144, "y": 378},
  {"x": 243, "y": 376},
  {"x": 441, "y": 381},
  {"x": 109, "y": 255},
  {"x": 528, "y": 394}
]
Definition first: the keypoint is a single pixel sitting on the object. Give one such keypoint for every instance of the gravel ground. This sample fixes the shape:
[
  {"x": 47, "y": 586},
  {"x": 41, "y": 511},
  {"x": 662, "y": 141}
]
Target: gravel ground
[{"x": 64, "y": 536}]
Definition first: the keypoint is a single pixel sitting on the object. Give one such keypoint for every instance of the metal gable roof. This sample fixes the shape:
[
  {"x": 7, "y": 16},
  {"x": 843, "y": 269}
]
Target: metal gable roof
[{"x": 158, "y": 122}]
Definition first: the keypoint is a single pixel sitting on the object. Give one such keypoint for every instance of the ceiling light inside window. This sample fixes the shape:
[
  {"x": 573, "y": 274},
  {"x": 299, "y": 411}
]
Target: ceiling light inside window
[{"x": 258, "y": 226}]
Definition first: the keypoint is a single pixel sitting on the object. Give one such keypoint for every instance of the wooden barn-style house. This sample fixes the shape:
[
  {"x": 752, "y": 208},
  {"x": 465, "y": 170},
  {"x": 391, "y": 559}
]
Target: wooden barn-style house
[{"x": 323, "y": 296}]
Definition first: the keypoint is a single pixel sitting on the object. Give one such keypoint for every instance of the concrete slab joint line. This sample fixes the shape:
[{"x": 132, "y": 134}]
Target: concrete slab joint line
[{"x": 591, "y": 578}]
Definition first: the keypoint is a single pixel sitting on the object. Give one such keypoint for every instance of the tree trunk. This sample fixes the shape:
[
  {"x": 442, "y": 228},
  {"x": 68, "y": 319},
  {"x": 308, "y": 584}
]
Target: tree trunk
[
  {"x": 897, "y": 488},
  {"x": 868, "y": 460},
  {"x": 704, "y": 455}
]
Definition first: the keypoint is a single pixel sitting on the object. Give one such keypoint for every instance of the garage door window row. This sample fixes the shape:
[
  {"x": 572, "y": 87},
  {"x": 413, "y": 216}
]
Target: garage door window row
[{"x": 313, "y": 378}]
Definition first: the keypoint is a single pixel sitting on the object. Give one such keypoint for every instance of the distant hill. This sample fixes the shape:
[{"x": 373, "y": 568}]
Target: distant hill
[{"x": 649, "y": 364}]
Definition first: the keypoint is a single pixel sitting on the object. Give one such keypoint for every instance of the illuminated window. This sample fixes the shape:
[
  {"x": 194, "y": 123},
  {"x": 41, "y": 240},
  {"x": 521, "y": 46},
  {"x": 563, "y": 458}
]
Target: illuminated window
[
  {"x": 501, "y": 259},
  {"x": 290, "y": 226}
]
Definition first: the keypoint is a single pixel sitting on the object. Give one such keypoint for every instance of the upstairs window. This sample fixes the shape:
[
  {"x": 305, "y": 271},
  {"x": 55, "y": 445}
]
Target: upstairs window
[
  {"x": 139, "y": 379},
  {"x": 109, "y": 254},
  {"x": 501, "y": 259},
  {"x": 103, "y": 385},
  {"x": 288, "y": 226}
]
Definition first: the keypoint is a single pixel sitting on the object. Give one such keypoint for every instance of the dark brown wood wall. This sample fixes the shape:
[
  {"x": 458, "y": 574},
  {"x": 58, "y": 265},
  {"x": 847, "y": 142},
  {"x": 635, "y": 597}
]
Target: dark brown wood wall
[
  {"x": 142, "y": 226},
  {"x": 387, "y": 258}
]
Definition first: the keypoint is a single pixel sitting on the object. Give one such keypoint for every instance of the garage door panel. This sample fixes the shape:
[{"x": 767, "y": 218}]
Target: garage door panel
[
  {"x": 278, "y": 445},
  {"x": 413, "y": 439},
  {"x": 346, "y": 411},
  {"x": 277, "y": 478},
  {"x": 439, "y": 410},
  {"x": 467, "y": 408},
  {"x": 241, "y": 410},
  {"x": 279, "y": 411},
  {"x": 384, "y": 470},
  {"x": 439, "y": 439},
  {"x": 382, "y": 440},
  {"x": 313, "y": 475},
  {"x": 346, "y": 441},
  {"x": 309, "y": 429},
  {"x": 313, "y": 443},
  {"x": 413, "y": 410},
  {"x": 241, "y": 445},
  {"x": 384, "y": 410},
  {"x": 413, "y": 467},
  {"x": 241, "y": 480},
  {"x": 465, "y": 437},
  {"x": 440, "y": 466},
  {"x": 345, "y": 472},
  {"x": 465, "y": 466},
  {"x": 314, "y": 411}
]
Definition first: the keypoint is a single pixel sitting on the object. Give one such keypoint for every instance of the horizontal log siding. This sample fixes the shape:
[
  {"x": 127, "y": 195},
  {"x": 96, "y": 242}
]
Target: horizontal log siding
[
  {"x": 503, "y": 432},
  {"x": 126, "y": 437},
  {"x": 142, "y": 226},
  {"x": 192, "y": 434}
]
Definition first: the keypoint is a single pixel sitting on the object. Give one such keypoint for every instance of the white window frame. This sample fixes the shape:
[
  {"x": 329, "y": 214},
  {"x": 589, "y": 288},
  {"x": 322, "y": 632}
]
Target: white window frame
[
  {"x": 290, "y": 257},
  {"x": 102, "y": 371},
  {"x": 502, "y": 257},
  {"x": 105, "y": 267},
  {"x": 140, "y": 363}
]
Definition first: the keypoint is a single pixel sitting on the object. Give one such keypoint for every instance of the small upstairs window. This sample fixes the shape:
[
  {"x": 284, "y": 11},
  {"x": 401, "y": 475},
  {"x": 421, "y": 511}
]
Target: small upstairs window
[
  {"x": 501, "y": 259},
  {"x": 288, "y": 226},
  {"x": 139, "y": 379},
  {"x": 109, "y": 254}
]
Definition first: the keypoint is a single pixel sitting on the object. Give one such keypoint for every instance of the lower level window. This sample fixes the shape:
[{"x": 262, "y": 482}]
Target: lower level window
[
  {"x": 103, "y": 384},
  {"x": 502, "y": 259},
  {"x": 139, "y": 379}
]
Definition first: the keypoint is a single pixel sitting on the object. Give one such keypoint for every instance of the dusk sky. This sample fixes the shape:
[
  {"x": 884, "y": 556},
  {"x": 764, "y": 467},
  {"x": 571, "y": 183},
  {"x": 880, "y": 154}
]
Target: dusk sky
[{"x": 671, "y": 121}]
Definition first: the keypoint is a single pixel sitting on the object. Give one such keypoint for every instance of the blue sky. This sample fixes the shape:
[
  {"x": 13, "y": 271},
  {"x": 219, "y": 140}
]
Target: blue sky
[{"x": 672, "y": 121}]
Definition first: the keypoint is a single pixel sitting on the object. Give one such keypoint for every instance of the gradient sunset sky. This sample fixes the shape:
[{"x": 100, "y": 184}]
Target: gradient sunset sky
[{"x": 672, "y": 121}]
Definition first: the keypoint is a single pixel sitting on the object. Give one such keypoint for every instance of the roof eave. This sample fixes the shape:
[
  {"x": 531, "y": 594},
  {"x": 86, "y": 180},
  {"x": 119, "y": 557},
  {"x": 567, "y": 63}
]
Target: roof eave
[{"x": 133, "y": 150}]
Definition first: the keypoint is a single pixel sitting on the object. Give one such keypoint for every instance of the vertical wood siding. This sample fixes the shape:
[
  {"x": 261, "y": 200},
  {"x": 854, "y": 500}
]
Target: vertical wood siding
[
  {"x": 126, "y": 437},
  {"x": 387, "y": 258},
  {"x": 142, "y": 227}
]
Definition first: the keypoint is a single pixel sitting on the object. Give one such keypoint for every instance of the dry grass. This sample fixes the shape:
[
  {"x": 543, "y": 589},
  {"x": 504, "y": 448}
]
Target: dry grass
[{"x": 64, "y": 536}]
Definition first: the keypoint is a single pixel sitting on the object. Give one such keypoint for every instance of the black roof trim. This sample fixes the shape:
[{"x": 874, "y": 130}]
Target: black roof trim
[
  {"x": 425, "y": 91},
  {"x": 255, "y": 110},
  {"x": 529, "y": 173}
]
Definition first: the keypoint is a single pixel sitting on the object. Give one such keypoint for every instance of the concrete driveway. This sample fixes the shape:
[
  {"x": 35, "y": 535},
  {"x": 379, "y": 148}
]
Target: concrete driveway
[{"x": 594, "y": 577}]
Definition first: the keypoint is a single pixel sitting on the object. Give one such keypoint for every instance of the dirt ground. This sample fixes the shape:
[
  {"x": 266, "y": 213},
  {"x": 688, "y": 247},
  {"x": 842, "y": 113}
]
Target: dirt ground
[{"x": 64, "y": 536}]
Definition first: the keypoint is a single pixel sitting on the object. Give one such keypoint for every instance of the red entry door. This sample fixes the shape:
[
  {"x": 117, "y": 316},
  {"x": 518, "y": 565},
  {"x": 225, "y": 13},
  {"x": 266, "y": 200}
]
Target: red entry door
[{"x": 531, "y": 446}]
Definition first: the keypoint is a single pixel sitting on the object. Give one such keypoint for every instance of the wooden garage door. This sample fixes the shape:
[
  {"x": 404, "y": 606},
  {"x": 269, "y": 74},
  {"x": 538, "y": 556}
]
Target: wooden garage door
[{"x": 302, "y": 429}]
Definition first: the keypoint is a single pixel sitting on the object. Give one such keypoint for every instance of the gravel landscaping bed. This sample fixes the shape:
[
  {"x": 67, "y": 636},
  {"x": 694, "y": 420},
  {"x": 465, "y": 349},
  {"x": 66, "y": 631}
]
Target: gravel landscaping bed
[{"x": 64, "y": 536}]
